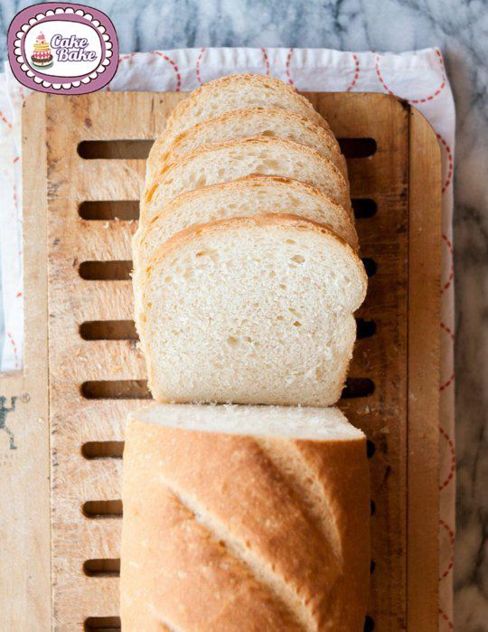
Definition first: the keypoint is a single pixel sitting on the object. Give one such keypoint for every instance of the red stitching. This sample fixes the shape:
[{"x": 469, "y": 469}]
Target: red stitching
[
  {"x": 451, "y": 271},
  {"x": 448, "y": 330},
  {"x": 14, "y": 195},
  {"x": 444, "y": 616},
  {"x": 288, "y": 66},
  {"x": 126, "y": 57},
  {"x": 356, "y": 73},
  {"x": 174, "y": 65},
  {"x": 266, "y": 61},
  {"x": 14, "y": 348},
  {"x": 452, "y": 469},
  {"x": 197, "y": 67},
  {"x": 5, "y": 120},
  {"x": 413, "y": 101},
  {"x": 450, "y": 162},
  {"x": 450, "y": 533},
  {"x": 448, "y": 383}
]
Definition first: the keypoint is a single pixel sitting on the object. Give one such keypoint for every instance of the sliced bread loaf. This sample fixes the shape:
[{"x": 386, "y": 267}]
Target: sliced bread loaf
[
  {"x": 261, "y": 121},
  {"x": 255, "y": 310},
  {"x": 213, "y": 164},
  {"x": 244, "y": 518}
]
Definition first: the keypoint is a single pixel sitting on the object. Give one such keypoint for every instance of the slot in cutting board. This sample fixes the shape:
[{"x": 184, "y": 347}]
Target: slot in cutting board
[{"x": 97, "y": 374}]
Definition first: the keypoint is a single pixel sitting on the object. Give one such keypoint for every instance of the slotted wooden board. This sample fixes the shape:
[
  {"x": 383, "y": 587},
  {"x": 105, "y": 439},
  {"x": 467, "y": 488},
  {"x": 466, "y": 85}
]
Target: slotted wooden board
[{"x": 95, "y": 367}]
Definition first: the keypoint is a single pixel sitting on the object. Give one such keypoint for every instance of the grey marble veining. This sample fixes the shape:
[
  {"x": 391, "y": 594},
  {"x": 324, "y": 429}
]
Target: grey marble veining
[{"x": 460, "y": 28}]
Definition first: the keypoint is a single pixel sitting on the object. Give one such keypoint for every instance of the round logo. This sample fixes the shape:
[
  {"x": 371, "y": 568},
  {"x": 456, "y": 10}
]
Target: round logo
[{"x": 62, "y": 48}]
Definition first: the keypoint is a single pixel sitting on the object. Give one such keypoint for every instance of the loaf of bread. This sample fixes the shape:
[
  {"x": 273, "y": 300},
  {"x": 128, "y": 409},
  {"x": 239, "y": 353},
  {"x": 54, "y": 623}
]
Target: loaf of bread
[
  {"x": 245, "y": 518},
  {"x": 270, "y": 122},
  {"x": 225, "y": 95},
  {"x": 240, "y": 519},
  {"x": 257, "y": 310}
]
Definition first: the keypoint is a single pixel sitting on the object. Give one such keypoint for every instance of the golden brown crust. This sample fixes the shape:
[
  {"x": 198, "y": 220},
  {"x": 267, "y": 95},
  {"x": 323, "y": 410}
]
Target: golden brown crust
[
  {"x": 254, "y": 559},
  {"x": 173, "y": 571}
]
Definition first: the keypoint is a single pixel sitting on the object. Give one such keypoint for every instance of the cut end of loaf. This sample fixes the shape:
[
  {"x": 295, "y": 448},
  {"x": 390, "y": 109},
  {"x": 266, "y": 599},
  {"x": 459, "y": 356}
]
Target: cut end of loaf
[
  {"x": 290, "y": 422},
  {"x": 251, "y": 311}
]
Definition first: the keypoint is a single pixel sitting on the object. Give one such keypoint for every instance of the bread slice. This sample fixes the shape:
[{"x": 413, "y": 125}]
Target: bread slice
[
  {"x": 233, "y": 92},
  {"x": 244, "y": 518},
  {"x": 246, "y": 197},
  {"x": 244, "y": 123},
  {"x": 255, "y": 311},
  {"x": 214, "y": 164}
]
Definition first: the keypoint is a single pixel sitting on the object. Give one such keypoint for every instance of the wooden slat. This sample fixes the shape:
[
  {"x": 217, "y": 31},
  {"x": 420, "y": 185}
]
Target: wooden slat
[
  {"x": 96, "y": 597},
  {"x": 104, "y": 240},
  {"x": 96, "y": 539},
  {"x": 386, "y": 358},
  {"x": 25, "y": 596},
  {"x": 98, "y": 300},
  {"x": 92, "y": 357},
  {"x": 92, "y": 480},
  {"x": 383, "y": 177},
  {"x": 424, "y": 376},
  {"x": 109, "y": 179}
]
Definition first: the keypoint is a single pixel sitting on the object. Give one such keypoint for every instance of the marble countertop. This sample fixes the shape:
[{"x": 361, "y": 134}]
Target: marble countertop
[{"x": 460, "y": 29}]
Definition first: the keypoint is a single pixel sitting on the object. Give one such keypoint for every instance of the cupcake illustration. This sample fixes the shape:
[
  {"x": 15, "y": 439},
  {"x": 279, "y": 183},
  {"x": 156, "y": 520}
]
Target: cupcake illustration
[{"x": 42, "y": 56}]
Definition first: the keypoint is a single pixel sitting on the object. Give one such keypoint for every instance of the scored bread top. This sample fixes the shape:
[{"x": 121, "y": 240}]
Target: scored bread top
[
  {"x": 278, "y": 541},
  {"x": 257, "y": 121},
  {"x": 222, "y": 162}
]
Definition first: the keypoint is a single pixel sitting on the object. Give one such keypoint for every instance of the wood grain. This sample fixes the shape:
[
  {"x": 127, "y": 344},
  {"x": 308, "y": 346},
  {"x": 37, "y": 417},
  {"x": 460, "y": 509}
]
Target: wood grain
[
  {"x": 382, "y": 358},
  {"x": 424, "y": 377},
  {"x": 25, "y": 595},
  {"x": 400, "y": 417}
]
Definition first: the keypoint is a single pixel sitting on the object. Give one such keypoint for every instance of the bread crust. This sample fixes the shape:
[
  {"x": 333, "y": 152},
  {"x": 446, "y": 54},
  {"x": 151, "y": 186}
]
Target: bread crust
[
  {"x": 165, "y": 151},
  {"x": 254, "y": 557}
]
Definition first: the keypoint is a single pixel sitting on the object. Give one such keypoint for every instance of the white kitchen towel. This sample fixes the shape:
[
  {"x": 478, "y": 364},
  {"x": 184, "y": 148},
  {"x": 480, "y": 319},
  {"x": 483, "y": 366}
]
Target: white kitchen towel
[{"x": 418, "y": 77}]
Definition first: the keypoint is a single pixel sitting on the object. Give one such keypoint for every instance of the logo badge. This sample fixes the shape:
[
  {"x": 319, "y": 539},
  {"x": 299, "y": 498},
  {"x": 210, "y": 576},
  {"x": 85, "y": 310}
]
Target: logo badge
[{"x": 63, "y": 48}]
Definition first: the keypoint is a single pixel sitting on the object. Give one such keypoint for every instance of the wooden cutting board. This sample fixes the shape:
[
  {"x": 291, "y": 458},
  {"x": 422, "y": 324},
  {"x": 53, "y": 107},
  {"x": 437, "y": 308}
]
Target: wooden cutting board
[{"x": 83, "y": 172}]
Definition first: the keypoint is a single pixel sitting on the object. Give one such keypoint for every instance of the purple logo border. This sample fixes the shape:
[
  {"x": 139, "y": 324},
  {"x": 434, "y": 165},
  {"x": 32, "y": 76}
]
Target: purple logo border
[{"x": 102, "y": 79}]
